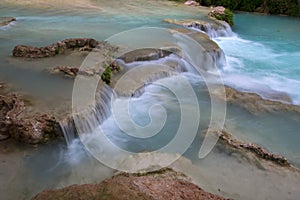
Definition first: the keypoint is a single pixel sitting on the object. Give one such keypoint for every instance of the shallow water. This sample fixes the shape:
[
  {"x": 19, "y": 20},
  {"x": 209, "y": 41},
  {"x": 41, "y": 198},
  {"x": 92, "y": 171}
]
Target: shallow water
[{"x": 252, "y": 56}]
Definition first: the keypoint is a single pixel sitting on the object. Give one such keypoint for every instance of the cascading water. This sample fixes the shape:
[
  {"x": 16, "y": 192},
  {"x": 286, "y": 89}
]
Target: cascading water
[
  {"x": 214, "y": 30},
  {"x": 212, "y": 173}
]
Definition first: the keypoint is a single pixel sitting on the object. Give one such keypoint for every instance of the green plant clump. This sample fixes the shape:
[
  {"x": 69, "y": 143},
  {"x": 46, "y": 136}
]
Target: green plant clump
[
  {"x": 106, "y": 75},
  {"x": 227, "y": 17},
  {"x": 56, "y": 51}
]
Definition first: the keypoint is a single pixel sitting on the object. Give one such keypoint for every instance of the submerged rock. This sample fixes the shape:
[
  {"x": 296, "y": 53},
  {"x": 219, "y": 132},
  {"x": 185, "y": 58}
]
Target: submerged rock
[
  {"x": 255, "y": 104},
  {"x": 6, "y": 20},
  {"x": 67, "y": 70},
  {"x": 254, "y": 148},
  {"x": 161, "y": 185}
]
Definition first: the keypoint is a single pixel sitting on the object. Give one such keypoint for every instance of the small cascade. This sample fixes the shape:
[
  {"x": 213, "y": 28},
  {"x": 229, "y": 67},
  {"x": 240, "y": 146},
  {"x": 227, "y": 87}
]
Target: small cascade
[
  {"x": 222, "y": 29},
  {"x": 87, "y": 121},
  {"x": 69, "y": 130},
  {"x": 91, "y": 118},
  {"x": 152, "y": 79},
  {"x": 218, "y": 58},
  {"x": 207, "y": 59}
]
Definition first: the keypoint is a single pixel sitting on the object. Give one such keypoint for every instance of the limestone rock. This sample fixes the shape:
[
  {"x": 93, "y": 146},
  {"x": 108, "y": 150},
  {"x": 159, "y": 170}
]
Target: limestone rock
[
  {"x": 83, "y": 44},
  {"x": 67, "y": 70},
  {"x": 34, "y": 129},
  {"x": 255, "y": 104},
  {"x": 159, "y": 185},
  {"x": 192, "y": 3},
  {"x": 147, "y": 54},
  {"x": 254, "y": 148}
]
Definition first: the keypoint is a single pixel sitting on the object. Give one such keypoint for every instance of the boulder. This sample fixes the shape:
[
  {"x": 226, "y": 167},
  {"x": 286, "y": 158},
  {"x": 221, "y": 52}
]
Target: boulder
[
  {"x": 159, "y": 185},
  {"x": 192, "y": 3},
  {"x": 218, "y": 10}
]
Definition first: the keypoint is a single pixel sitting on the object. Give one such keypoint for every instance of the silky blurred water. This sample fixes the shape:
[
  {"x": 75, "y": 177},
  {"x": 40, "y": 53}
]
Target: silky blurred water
[{"x": 264, "y": 55}]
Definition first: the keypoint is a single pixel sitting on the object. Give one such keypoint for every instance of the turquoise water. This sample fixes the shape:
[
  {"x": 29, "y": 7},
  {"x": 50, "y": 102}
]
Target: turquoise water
[
  {"x": 264, "y": 55},
  {"x": 41, "y": 27}
]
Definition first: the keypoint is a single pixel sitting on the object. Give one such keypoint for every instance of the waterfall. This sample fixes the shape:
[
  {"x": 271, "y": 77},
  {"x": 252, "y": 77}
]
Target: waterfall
[
  {"x": 91, "y": 118},
  {"x": 213, "y": 30},
  {"x": 68, "y": 129},
  {"x": 218, "y": 58}
]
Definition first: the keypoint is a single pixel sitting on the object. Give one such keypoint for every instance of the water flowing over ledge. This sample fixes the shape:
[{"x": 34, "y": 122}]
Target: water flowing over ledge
[{"x": 213, "y": 29}]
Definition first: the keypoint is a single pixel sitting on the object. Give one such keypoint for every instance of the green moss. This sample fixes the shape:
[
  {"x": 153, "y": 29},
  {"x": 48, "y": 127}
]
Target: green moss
[
  {"x": 106, "y": 75},
  {"x": 56, "y": 50},
  {"x": 227, "y": 17}
]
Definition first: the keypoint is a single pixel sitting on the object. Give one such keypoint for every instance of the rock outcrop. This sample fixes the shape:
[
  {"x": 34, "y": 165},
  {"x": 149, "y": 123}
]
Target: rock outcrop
[
  {"x": 255, "y": 104},
  {"x": 4, "y": 21},
  {"x": 259, "y": 151},
  {"x": 212, "y": 27},
  {"x": 28, "y": 129},
  {"x": 209, "y": 46},
  {"x": 201, "y": 25},
  {"x": 158, "y": 185},
  {"x": 82, "y": 44},
  {"x": 66, "y": 70},
  {"x": 219, "y": 10},
  {"x": 148, "y": 54},
  {"x": 192, "y": 3}
]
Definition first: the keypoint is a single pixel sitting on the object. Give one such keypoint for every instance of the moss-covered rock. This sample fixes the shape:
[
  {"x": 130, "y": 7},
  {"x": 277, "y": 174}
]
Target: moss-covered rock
[{"x": 223, "y": 14}]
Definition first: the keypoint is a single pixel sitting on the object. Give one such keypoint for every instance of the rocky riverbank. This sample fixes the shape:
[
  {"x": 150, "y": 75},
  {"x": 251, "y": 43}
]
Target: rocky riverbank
[
  {"x": 162, "y": 184},
  {"x": 17, "y": 122}
]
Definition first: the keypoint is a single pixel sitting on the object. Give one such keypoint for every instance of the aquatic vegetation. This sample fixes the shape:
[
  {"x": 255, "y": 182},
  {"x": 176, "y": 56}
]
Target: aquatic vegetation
[
  {"x": 225, "y": 15},
  {"x": 228, "y": 17}
]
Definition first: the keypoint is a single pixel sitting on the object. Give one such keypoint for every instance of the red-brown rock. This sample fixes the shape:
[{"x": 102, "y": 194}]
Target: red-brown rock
[
  {"x": 34, "y": 129},
  {"x": 159, "y": 185},
  {"x": 55, "y": 48}
]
